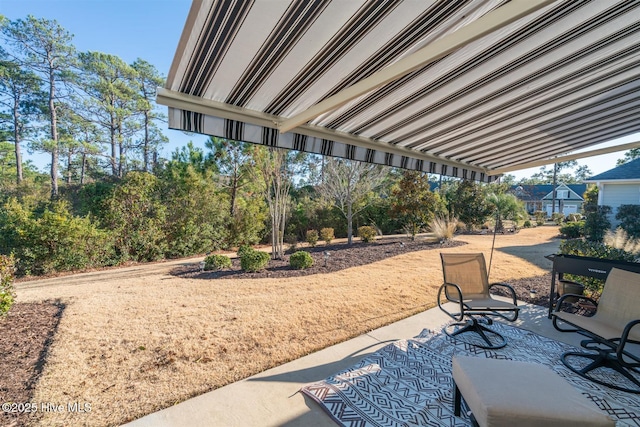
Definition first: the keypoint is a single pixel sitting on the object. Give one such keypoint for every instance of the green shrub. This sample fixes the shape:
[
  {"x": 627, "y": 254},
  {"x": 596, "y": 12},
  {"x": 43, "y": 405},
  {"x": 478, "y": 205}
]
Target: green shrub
[
  {"x": 629, "y": 217},
  {"x": 254, "y": 260},
  {"x": 326, "y": 234},
  {"x": 367, "y": 233},
  {"x": 596, "y": 223},
  {"x": 312, "y": 237},
  {"x": 527, "y": 224},
  {"x": 572, "y": 230},
  {"x": 300, "y": 260},
  {"x": 217, "y": 262},
  {"x": 243, "y": 250},
  {"x": 540, "y": 217},
  {"x": 596, "y": 250},
  {"x": 7, "y": 294},
  {"x": 557, "y": 217}
]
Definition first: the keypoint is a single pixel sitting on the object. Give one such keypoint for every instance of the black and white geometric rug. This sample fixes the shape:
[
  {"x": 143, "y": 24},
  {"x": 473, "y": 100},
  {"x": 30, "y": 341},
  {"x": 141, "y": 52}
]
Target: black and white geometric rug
[{"x": 409, "y": 383}]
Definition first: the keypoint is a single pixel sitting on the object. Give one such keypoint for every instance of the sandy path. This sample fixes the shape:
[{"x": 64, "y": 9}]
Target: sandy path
[{"x": 132, "y": 341}]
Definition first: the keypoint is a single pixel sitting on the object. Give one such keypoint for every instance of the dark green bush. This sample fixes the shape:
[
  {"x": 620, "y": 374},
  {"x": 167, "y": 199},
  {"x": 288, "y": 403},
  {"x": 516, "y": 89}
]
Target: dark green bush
[
  {"x": 217, "y": 262},
  {"x": 326, "y": 234},
  {"x": 53, "y": 239},
  {"x": 254, "y": 260},
  {"x": 243, "y": 250},
  {"x": 300, "y": 260},
  {"x": 596, "y": 250},
  {"x": 527, "y": 224},
  {"x": 312, "y": 237},
  {"x": 596, "y": 223},
  {"x": 367, "y": 233},
  {"x": 629, "y": 217},
  {"x": 572, "y": 230},
  {"x": 7, "y": 294},
  {"x": 540, "y": 217}
]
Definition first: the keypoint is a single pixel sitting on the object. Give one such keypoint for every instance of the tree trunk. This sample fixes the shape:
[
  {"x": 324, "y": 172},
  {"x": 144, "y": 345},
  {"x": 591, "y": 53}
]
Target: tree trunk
[
  {"x": 83, "y": 167},
  {"x": 54, "y": 136},
  {"x": 146, "y": 141},
  {"x": 121, "y": 152},
  {"x": 69, "y": 168},
  {"x": 16, "y": 138},
  {"x": 349, "y": 224},
  {"x": 114, "y": 144},
  {"x": 234, "y": 192}
]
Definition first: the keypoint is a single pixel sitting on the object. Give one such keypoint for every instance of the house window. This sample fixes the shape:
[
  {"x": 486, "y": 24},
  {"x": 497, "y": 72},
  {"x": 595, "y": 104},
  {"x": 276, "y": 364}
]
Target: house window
[{"x": 562, "y": 194}]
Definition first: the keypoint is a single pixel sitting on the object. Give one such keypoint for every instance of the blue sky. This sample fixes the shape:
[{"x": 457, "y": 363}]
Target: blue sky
[
  {"x": 130, "y": 29},
  {"x": 150, "y": 29}
]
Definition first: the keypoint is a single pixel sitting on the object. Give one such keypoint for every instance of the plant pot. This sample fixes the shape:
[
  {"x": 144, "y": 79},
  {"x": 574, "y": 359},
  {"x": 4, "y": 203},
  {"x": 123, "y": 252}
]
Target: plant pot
[{"x": 568, "y": 287}]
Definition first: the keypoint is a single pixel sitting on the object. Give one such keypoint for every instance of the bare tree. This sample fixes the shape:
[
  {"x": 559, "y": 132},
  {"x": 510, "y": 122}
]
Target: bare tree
[
  {"x": 274, "y": 171},
  {"x": 348, "y": 184}
]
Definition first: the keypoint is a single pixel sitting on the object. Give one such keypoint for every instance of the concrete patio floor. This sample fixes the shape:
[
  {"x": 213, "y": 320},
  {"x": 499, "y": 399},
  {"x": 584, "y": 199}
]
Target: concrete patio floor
[{"x": 271, "y": 398}]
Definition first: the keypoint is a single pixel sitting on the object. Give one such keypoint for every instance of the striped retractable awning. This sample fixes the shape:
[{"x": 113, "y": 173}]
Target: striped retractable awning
[{"x": 470, "y": 89}]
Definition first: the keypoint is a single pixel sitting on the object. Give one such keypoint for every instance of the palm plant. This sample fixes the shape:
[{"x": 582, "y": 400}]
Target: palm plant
[{"x": 506, "y": 207}]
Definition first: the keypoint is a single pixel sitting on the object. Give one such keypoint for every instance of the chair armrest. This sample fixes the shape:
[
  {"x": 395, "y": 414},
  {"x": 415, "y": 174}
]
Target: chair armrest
[
  {"x": 511, "y": 290},
  {"x": 582, "y": 297},
  {"x": 623, "y": 341},
  {"x": 445, "y": 286}
]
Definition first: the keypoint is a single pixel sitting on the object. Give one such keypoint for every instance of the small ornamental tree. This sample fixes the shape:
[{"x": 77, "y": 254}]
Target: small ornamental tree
[
  {"x": 413, "y": 202},
  {"x": 470, "y": 205},
  {"x": 596, "y": 221}
]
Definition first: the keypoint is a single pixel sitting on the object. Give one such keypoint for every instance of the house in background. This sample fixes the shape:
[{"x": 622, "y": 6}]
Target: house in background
[
  {"x": 540, "y": 197},
  {"x": 618, "y": 186}
]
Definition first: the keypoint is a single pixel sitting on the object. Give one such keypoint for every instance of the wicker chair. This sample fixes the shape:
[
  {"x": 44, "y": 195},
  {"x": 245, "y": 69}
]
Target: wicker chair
[
  {"x": 610, "y": 332},
  {"x": 466, "y": 285}
]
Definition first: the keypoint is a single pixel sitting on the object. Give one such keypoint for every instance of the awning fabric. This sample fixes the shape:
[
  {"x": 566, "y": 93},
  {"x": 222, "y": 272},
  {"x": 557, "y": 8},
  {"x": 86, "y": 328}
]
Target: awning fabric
[{"x": 561, "y": 77}]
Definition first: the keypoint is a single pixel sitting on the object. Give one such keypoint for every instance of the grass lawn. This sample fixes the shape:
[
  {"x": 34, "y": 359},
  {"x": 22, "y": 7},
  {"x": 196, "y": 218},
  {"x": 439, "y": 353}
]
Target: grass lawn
[{"x": 132, "y": 344}]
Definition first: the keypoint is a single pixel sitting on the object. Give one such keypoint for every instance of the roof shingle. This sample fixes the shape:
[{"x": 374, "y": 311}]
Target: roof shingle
[{"x": 627, "y": 171}]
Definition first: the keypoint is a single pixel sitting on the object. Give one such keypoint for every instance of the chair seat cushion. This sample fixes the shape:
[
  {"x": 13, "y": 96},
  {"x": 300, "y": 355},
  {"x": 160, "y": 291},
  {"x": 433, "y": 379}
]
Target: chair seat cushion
[
  {"x": 490, "y": 304},
  {"x": 596, "y": 326},
  {"x": 507, "y": 393}
]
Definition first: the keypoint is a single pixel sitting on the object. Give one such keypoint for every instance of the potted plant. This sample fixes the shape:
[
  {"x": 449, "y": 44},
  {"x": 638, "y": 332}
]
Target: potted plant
[{"x": 569, "y": 287}]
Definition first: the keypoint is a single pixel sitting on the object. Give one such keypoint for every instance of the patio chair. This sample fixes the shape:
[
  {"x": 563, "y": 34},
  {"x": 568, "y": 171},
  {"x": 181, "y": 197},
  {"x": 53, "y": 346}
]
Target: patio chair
[
  {"x": 466, "y": 284},
  {"x": 610, "y": 332}
]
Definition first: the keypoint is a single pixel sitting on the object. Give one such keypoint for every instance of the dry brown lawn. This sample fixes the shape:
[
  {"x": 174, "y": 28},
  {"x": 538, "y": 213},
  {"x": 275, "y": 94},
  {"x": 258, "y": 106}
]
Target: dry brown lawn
[{"x": 133, "y": 344}]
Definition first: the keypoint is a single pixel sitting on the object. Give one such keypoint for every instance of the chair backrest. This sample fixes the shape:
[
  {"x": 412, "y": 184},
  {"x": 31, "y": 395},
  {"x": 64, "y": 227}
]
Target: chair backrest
[
  {"x": 469, "y": 272},
  {"x": 620, "y": 300}
]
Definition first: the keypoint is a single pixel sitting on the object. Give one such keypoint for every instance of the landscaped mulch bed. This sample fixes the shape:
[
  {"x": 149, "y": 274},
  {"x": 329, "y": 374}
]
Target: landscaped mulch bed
[
  {"x": 341, "y": 256},
  {"x": 26, "y": 334}
]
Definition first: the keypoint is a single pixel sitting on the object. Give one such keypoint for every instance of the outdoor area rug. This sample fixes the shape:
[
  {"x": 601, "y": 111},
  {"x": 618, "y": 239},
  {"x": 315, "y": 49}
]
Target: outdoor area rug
[{"x": 409, "y": 383}]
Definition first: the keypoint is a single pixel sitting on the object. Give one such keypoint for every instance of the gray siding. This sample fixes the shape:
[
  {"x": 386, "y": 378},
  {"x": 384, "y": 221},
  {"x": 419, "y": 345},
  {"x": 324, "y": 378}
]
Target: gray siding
[{"x": 615, "y": 195}]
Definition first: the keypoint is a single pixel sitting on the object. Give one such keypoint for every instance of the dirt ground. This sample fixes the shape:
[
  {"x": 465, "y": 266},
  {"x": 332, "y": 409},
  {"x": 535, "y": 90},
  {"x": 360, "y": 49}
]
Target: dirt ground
[{"x": 132, "y": 341}]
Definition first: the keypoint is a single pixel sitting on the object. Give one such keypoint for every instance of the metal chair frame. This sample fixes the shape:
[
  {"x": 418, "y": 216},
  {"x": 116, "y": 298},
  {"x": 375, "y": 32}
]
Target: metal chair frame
[
  {"x": 476, "y": 317},
  {"x": 609, "y": 353}
]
